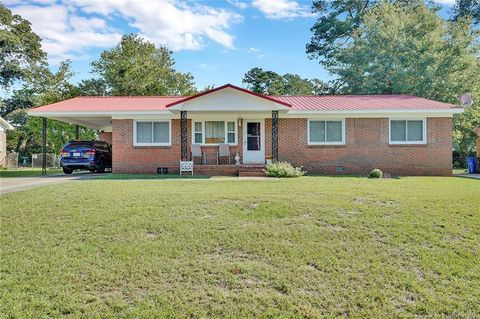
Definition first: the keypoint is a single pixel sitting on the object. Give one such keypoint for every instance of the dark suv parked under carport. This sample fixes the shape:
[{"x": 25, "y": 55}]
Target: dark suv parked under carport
[{"x": 94, "y": 156}]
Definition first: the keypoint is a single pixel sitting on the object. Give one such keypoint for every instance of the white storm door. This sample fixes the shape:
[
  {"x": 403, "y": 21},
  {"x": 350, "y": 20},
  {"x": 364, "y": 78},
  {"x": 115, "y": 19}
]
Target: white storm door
[{"x": 254, "y": 141}]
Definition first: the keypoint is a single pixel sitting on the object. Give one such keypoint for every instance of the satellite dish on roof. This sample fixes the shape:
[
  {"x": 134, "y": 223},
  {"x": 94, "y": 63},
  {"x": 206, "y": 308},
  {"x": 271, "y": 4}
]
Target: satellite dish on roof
[{"x": 466, "y": 100}]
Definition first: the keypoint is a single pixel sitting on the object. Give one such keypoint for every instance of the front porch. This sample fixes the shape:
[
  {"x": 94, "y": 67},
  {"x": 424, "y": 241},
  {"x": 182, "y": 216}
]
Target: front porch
[{"x": 248, "y": 139}]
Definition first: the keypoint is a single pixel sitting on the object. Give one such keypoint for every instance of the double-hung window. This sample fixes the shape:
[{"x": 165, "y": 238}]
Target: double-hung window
[
  {"x": 151, "y": 133},
  {"x": 326, "y": 132},
  {"x": 411, "y": 131},
  {"x": 214, "y": 132}
]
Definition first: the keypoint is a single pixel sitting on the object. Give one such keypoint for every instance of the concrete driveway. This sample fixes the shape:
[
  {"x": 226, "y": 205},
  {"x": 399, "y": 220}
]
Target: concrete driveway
[{"x": 15, "y": 184}]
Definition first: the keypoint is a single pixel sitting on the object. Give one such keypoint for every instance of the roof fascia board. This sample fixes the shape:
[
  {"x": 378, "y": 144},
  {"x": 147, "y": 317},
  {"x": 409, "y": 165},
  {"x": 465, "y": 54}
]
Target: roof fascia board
[{"x": 97, "y": 113}]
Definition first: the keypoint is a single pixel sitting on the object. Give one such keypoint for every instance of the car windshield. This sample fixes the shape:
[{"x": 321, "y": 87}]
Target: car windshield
[{"x": 79, "y": 145}]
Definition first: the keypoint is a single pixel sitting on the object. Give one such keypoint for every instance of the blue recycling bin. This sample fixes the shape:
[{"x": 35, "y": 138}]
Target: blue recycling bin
[{"x": 471, "y": 164}]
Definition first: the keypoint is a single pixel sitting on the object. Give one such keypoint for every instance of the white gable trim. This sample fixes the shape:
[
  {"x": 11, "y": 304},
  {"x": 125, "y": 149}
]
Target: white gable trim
[{"x": 228, "y": 100}]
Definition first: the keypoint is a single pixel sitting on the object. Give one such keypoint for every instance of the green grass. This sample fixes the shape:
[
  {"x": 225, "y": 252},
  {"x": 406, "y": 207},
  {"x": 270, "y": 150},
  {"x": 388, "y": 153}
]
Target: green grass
[
  {"x": 29, "y": 172},
  {"x": 459, "y": 171},
  {"x": 306, "y": 247},
  {"x": 150, "y": 176}
]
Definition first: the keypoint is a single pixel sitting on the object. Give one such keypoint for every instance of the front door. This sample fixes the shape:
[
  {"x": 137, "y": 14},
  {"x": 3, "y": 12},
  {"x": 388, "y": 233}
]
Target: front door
[{"x": 254, "y": 142}]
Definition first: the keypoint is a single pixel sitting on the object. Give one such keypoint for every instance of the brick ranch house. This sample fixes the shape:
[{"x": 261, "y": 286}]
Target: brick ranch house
[{"x": 400, "y": 134}]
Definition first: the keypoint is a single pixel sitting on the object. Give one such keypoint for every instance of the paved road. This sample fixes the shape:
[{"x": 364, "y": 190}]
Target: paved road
[{"x": 15, "y": 184}]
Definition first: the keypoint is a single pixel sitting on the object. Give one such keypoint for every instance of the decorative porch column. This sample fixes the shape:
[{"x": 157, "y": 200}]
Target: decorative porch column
[
  {"x": 274, "y": 136},
  {"x": 44, "y": 146},
  {"x": 183, "y": 134}
]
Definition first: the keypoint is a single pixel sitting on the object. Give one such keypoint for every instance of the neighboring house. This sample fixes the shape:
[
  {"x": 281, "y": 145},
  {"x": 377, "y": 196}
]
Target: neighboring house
[
  {"x": 4, "y": 127},
  {"x": 399, "y": 134}
]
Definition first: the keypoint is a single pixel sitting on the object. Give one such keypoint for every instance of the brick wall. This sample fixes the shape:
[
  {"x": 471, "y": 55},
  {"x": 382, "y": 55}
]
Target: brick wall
[
  {"x": 366, "y": 148},
  {"x": 105, "y": 136}
]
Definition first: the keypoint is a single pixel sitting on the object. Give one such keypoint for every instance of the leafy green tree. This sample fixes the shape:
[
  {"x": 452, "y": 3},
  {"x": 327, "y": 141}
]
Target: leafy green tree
[
  {"x": 264, "y": 82},
  {"x": 93, "y": 87},
  {"x": 428, "y": 56},
  {"x": 467, "y": 9},
  {"x": 336, "y": 26},
  {"x": 21, "y": 54},
  {"x": 136, "y": 67},
  {"x": 272, "y": 83},
  {"x": 463, "y": 130},
  {"x": 26, "y": 139}
]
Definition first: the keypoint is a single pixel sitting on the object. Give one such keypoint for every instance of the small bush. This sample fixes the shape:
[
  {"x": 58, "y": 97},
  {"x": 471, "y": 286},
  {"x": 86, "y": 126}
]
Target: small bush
[
  {"x": 283, "y": 169},
  {"x": 376, "y": 173}
]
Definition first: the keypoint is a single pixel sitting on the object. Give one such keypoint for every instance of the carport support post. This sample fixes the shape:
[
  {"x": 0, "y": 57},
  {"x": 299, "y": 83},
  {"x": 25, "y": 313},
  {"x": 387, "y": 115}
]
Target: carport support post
[
  {"x": 274, "y": 136},
  {"x": 77, "y": 132},
  {"x": 44, "y": 146},
  {"x": 183, "y": 134}
]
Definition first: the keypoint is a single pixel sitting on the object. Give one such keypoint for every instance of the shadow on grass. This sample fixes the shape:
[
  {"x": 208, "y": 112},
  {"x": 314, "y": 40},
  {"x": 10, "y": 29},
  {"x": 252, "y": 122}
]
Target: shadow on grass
[
  {"x": 349, "y": 176},
  {"x": 150, "y": 176}
]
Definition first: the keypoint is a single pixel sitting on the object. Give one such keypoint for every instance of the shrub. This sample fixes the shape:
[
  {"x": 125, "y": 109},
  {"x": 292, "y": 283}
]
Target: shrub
[
  {"x": 283, "y": 169},
  {"x": 376, "y": 173}
]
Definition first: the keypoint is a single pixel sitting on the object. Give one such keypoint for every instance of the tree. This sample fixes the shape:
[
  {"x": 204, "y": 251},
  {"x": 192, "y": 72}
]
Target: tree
[
  {"x": 136, "y": 67},
  {"x": 428, "y": 56},
  {"x": 93, "y": 87},
  {"x": 27, "y": 136},
  {"x": 467, "y": 9},
  {"x": 264, "y": 82},
  {"x": 335, "y": 28},
  {"x": 272, "y": 83},
  {"x": 21, "y": 54},
  {"x": 463, "y": 130}
]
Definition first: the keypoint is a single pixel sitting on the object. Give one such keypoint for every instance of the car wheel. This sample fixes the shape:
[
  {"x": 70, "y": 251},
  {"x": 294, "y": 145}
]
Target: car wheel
[
  {"x": 101, "y": 165},
  {"x": 67, "y": 171}
]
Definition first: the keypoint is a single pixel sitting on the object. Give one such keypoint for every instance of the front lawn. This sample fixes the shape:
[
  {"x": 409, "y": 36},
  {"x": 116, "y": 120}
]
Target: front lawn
[
  {"x": 27, "y": 172},
  {"x": 307, "y": 247}
]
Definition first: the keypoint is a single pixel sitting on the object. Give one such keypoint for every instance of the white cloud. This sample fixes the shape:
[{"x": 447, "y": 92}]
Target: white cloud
[
  {"x": 202, "y": 66},
  {"x": 252, "y": 50},
  {"x": 176, "y": 24},
  {"x": 69, "y": 27},
  {"x": 65, "y": 34},
  {"x": 445, "y": 2},
  {"x": 282, "y": 9},
  {"x": 238, "y": 4}
]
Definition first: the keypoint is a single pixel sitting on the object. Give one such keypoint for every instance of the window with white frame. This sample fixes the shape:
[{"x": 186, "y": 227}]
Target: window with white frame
[
  {"x": 325, "y": 132},
  {"x": 214, "y": 132},
  {"x": 151, "y": 133},
  {"x": 198, "y": 133},
  {"x": 407, "y": 131}
]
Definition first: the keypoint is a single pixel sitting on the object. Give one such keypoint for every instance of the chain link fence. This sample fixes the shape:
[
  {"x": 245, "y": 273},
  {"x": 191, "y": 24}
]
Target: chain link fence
[
  {"x": 11, "y": 161},
  {"x": 53, "y": 160}
]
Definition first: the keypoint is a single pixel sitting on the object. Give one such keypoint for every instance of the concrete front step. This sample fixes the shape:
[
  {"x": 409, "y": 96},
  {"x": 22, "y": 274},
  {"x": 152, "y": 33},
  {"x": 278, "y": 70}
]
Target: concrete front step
[
  {"x": 251, "y": 171},
  {"x": 230, "y": 170}
]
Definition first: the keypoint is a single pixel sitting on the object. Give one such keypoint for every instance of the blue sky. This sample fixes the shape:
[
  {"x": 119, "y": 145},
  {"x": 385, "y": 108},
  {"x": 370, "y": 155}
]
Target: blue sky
[{"x": 215, "y": 40}]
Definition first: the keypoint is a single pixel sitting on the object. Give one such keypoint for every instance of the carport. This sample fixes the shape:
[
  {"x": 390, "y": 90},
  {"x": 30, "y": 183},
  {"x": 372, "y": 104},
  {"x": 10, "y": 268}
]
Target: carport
[{"x": 99, "y": 121}]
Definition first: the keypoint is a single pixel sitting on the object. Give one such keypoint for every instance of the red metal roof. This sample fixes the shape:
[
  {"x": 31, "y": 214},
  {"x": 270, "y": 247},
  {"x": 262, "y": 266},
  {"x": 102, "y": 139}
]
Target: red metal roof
[
  {"x": 110, "y": 104},
  {"x": 301, "y": 103},
  {"x": 362, "y": 102}
]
